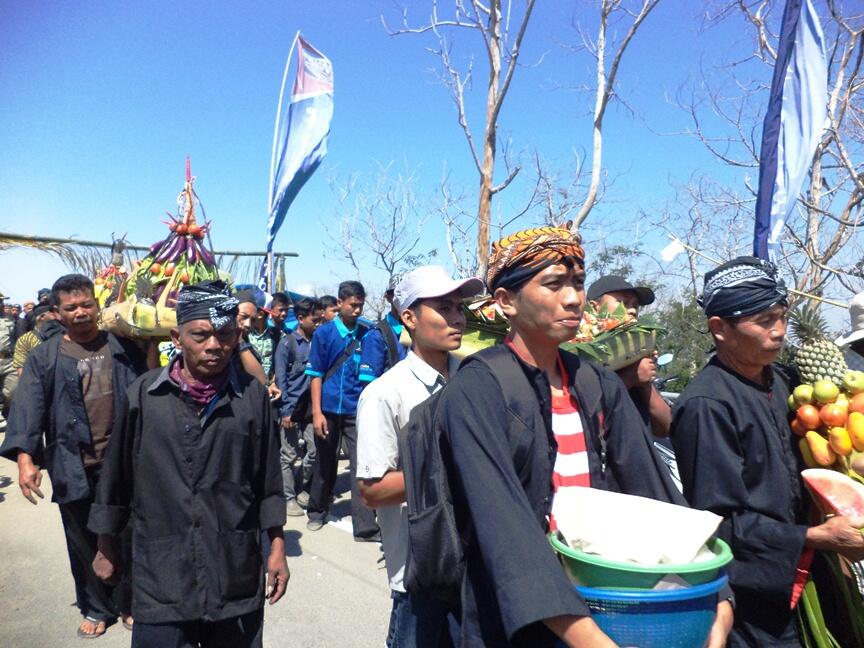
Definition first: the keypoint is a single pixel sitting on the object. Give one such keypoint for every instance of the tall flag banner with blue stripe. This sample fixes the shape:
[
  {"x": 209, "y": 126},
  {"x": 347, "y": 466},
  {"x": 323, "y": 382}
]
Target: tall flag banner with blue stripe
[
  {"x": 300, "y": 137},
  {"x": 794, "y": 122}
]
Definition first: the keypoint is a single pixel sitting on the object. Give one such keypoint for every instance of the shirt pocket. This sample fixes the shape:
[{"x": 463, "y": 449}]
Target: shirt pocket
[
  {"x": 240, "y": 574},
  {"x": 160, "y": 569},
  {"x": 236, "y": 461}
]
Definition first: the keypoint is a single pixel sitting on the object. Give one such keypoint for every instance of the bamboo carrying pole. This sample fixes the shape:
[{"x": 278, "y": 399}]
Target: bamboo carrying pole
[
  {"x": 824, "y": 300},
  {"x": 129, "y": 246}
]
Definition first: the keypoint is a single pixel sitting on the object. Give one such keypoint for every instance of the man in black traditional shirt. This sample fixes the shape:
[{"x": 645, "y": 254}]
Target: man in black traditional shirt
[
  {"x": 501, "y": 465},
  {"x": 737, "y": 458},
  {"x": 71, "y": 388},
  {"x": 194, "y": 460}
]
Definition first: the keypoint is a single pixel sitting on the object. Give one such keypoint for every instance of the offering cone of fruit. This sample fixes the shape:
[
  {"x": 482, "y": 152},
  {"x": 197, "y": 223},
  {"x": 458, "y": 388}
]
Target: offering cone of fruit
[
  {"x": 182, "y": 258},
  {"x": 148, "y": 296}
]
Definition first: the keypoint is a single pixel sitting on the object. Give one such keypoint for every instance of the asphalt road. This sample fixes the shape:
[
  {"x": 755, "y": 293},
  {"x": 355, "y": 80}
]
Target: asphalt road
[{"x": 337, "y": 595}]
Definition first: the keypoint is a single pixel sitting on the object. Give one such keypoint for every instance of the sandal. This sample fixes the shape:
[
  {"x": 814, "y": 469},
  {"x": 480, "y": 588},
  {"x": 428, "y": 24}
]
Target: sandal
[
  {"x": 95, "y": 622},
  {"x": 127, "y": 621}
]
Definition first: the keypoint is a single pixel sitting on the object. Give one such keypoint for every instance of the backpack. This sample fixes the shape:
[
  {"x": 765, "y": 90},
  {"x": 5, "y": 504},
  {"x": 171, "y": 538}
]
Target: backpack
[
  {"x": 390, "y": 342},
  {"x": 436, "y": 557}
]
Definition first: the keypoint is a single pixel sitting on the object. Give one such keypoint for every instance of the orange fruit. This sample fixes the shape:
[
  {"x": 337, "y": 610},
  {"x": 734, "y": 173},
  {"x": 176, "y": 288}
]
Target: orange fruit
[
  {"x": 808, "y": 415},
  {"x": 856, "y": 403},
  {"x": 833, "y": 415},
  {"x": 798, "y": 428}
]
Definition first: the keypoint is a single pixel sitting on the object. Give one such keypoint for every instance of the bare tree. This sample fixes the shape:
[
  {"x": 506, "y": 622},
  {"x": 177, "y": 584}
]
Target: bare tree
[
  {"x": 607, "y": 51},
  {"x": 819, "y": 251},
  {"x": 501, "y": 31},
  {"x": 379, "y": 219}
]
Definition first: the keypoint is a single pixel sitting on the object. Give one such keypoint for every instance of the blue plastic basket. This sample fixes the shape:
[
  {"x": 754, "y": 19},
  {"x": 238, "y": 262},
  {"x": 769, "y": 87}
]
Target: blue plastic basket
[{"x": 680, "y": 618}]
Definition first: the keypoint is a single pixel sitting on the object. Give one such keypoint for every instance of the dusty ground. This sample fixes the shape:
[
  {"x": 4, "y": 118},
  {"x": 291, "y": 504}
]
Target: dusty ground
[{"x": 337, "y": 595}]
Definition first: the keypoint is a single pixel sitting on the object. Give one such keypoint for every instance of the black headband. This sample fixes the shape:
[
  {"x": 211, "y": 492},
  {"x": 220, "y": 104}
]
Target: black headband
[{"x": 208, "y": 300}]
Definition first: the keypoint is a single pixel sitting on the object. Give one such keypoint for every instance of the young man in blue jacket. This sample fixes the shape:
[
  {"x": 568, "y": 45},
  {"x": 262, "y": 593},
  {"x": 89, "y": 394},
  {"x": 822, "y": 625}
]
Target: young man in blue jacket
[
  {"x": 334, "y": 360},
  {"x": 295, "y": 411}
]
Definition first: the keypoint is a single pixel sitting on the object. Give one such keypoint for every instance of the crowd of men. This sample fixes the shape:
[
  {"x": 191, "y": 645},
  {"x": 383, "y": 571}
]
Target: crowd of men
[{"x": 174, "y": 472}]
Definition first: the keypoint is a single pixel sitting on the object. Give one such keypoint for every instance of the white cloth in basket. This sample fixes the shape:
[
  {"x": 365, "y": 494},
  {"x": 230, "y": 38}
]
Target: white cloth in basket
[{"x": 629, "y": 528}]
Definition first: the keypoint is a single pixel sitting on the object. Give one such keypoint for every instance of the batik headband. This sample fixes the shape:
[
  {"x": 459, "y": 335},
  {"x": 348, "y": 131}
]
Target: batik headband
[
  {"x": 518, "y": 257},
  {"x": 740, "y": 287},
  {"x": 208, "y": 300}
]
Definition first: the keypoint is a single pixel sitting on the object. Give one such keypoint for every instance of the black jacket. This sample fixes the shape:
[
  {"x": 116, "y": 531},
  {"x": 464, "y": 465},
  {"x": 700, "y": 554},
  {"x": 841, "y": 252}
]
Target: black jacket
[
  {"x": 199, "y": 490},
  {"x": 49, "y": 401},
  {"x": 738, "y": 459},
  {"x": 501, "y": 465}
]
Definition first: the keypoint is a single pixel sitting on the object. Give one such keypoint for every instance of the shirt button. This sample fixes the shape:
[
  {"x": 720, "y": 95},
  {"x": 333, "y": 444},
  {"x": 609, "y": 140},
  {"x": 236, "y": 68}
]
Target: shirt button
[
  {"x": 188, "y": 428},
  {"x": 188, "y": 459},
  {"x": 74, "y": 421}
]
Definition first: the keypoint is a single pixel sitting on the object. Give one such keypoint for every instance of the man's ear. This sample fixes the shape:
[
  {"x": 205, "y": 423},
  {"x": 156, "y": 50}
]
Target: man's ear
[
  {"x": 175, "y": 338},
  {"x": 506, "y": 300},
  {"x": 719, "y": 328},
  {"x": 409, "y": 320}
]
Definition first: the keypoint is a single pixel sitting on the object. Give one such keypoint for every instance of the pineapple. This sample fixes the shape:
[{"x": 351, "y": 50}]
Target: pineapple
[{"x": 817, "y": 358}]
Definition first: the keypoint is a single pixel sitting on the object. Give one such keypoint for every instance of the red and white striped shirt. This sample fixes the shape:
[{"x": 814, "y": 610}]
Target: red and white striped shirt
[{"x": 571, "y": 462}]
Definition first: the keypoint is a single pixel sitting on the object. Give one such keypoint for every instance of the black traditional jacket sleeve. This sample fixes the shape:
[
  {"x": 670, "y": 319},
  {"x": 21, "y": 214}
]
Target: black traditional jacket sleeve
[
  {"x": 765, "y": 537},
  {"x": 511, "y": 565}
]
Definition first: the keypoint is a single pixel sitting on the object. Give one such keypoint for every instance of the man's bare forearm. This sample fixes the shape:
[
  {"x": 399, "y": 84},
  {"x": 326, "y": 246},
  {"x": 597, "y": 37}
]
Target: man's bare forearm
[{"x": 387, "y": 491}]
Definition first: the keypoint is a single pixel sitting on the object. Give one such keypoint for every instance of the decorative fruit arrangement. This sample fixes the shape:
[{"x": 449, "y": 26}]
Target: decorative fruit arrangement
[
  {"x": 829, "y": 404},
  {"x": 615, "y": 339},
  {"x": 180, "y": 259},
  {"x": 145, "y": 306},
  {"x": 107, "y": 284},
  {"x": 596, "y": 323},
  {"x": 830, "y": 421}
]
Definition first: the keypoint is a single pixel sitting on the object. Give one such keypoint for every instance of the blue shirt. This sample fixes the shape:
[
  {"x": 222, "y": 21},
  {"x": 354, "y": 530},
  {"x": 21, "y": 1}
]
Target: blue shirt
[
  {"x": 373, "y": 360},
  {"x": 340, "y": 392}
]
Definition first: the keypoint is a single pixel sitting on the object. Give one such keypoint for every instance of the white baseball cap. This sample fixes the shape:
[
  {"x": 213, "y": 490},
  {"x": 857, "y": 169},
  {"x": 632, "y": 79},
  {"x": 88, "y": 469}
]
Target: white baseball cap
[
  {"x": 856, "y": 320},
  {"x": 432, "y": 281}
]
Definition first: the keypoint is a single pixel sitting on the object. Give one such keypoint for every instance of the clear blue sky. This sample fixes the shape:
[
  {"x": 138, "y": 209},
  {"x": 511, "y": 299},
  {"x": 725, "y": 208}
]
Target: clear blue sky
[{"x": 101, "y": 101}]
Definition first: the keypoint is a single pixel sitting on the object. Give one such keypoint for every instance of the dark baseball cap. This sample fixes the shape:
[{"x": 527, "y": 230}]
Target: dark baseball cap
[{"x": 614, "y": 283}]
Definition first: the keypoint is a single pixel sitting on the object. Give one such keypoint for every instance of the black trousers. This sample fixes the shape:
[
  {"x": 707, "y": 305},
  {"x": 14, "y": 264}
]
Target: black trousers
[
  {"x": 324, "y": 475},
  {"x": 244, "y": 631},
  {"x": 95, "y": 599}
]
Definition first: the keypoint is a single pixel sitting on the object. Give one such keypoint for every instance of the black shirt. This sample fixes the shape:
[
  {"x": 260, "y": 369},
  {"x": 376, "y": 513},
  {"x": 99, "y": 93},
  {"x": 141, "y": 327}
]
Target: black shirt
[
  {"x": 200, "y": 488},
  {"x": 501, "y": 477},
  {"x": 736, "y": 458}
]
